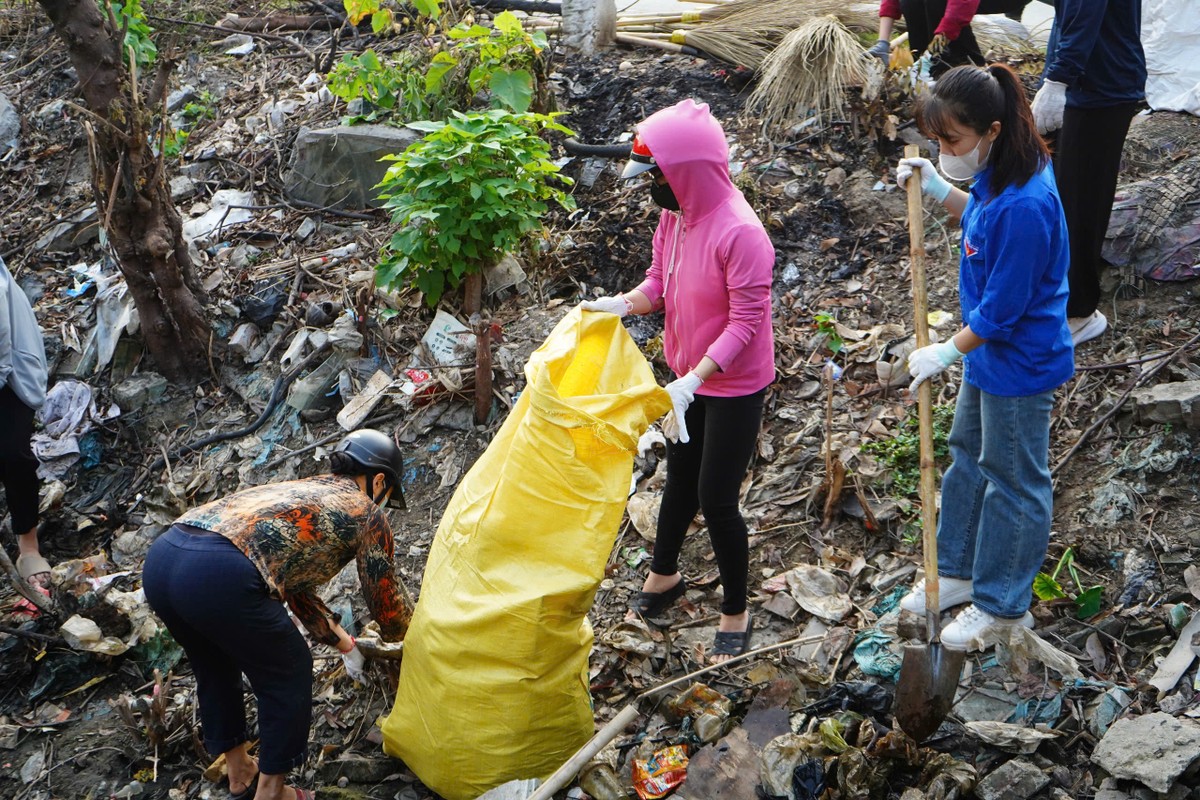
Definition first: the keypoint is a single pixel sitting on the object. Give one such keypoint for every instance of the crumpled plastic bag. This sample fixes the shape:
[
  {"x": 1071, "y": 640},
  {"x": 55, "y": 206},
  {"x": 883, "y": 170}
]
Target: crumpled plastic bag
[{"x": 68, "y": 414}]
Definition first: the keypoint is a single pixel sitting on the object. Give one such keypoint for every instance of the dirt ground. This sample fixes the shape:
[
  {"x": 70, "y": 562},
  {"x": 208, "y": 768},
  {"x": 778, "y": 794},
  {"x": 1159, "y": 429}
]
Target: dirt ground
[{"x": 1126, "y": 499}]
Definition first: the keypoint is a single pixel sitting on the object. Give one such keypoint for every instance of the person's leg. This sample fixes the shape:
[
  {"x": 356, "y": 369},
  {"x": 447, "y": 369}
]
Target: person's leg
[
  {"x": 1087, "y": 163},
  {"x": 175, "y": 578},
  {"x": 1015, "y": 519},
  {"x": 731, "y": 433},
  {"x": 225, "y": 600},
  {"x": 921, "y": 17},
  {"x": 18, "y": 473},
  {"x": 730, "y": 437},
  {"x": 680, "y": 502},
  {"x": 963, "y": 488}
]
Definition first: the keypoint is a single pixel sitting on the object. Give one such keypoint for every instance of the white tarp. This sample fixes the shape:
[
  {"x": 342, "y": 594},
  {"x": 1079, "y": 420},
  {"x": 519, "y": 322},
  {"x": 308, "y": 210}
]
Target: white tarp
[{"x": 1171, "y": 39}]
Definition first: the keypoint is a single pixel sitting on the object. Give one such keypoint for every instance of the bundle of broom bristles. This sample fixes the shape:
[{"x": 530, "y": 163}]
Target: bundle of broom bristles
[{"x": 804, "y": 53}]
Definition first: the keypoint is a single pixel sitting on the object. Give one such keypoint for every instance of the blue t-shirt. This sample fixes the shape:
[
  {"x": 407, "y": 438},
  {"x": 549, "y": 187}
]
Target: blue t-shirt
[{"x": 1012, "y": 283}]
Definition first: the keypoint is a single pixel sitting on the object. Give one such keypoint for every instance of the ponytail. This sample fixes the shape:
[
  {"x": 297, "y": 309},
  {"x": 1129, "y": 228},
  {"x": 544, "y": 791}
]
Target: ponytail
[
  {"x": 976, "y": 97},
  {"x": 1020, "y": 151}
]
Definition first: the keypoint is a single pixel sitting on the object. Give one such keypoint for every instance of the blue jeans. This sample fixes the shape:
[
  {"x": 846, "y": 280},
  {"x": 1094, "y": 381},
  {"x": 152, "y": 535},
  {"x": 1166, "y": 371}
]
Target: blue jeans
[{"x": 997, "y": 498}]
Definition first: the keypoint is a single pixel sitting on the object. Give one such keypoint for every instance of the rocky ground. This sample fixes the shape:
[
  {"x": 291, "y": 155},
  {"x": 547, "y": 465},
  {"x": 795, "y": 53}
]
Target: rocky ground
[{"x": 1051, "y": 716}]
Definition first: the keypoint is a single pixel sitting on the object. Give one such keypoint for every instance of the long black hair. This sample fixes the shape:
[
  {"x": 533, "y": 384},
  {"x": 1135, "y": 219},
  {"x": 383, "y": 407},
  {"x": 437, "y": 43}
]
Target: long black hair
[{"x": 976, "y": 97}]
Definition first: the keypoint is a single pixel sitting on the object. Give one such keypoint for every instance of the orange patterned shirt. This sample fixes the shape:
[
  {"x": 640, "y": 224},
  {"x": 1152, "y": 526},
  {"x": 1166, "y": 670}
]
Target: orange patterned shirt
[{"x": 299, "y": 534}]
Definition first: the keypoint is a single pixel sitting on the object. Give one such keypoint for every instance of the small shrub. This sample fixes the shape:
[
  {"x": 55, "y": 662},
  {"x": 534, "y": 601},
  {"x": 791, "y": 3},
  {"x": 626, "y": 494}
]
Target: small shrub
[{"x": 465, "y": 195}]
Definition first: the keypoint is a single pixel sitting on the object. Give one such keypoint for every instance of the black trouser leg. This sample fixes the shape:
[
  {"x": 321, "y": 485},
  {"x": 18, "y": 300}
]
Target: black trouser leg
[
  {"x": 707, "y": 474},
  {"x": 216, "y": 605},
  {"x": 18, "y": 465},
  {"x": 922, "y": 18},
  {"x": 1087, "y": 161}
]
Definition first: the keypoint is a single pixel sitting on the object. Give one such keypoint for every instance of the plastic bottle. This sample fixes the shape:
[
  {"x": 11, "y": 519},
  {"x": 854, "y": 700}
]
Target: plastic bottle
[{"x": 600, "y": 781}]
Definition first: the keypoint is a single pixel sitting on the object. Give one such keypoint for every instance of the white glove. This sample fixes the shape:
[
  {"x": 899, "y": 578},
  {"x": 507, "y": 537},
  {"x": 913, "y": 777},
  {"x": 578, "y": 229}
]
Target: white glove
[
  {"x": 932, "y": 183},
  {"x": 612, "y": 305},
  {"x": 1048, "y": 105},
  {"x": 355, "y": 662},
  {"x": 670, "y": 427},
  {"x": 683, "y": 392},
  {"x": 881, "y": 50},
  {"x": 927, "y": 361}
]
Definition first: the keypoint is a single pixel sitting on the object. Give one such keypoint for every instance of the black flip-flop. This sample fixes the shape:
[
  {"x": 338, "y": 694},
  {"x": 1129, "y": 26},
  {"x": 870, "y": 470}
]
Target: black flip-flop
[
  {"x": 247, "y": 793},
  {"x": 733, "y": 643},
  {"x": 655, "y": 604}
]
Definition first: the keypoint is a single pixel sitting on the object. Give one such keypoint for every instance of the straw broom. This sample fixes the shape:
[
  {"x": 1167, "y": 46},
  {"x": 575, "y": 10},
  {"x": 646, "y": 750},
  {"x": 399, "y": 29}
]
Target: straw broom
[
  {"x": 748, "y": 30},
  {"x": 808, "y": 73}
]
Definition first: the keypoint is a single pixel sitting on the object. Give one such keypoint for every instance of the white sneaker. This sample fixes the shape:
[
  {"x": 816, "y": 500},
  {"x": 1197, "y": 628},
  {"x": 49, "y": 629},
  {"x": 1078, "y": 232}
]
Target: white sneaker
[
  {"x": 951, "y": 592},
  {"x": 1085, "y": 329},
  {"x": 968, "y": 628}
]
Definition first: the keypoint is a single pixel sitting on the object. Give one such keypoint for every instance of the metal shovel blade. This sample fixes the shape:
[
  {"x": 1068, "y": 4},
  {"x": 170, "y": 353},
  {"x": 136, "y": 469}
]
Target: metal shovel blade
[{"x": 929, "y": 677}]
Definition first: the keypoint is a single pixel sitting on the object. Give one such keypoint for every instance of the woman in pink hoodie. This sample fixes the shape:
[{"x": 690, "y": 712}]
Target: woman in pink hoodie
[{"x": 711, "y": 275}]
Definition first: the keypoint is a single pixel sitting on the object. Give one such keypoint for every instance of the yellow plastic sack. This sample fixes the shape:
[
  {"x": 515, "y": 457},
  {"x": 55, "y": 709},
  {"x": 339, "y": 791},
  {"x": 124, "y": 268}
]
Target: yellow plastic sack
[{"x": 494, "y": 685}]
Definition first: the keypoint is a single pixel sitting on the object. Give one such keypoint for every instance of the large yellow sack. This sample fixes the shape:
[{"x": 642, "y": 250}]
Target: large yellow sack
[{"x": 494, "y": 684}]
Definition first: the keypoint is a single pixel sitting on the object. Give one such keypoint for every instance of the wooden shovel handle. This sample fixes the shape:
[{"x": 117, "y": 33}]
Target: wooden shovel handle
[
  {"x": 916, "y": 257},
  {"x": 563, "y": 775},
  {"x": 670, "y": 47}
]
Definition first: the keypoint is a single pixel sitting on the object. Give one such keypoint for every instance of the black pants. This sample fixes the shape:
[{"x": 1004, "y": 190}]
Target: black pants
[
  {"x": 216, "y": 605},
  {"x": 18, "y": 465},
  {"x": 1087, "y": 160},
  {"x": 922, "y": 17},
  {"x": 706, "y": 473}
]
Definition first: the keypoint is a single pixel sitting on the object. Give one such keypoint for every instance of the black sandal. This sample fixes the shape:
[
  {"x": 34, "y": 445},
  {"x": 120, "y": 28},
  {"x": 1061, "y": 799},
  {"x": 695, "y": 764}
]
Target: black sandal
[
  {"x": 733, "y": 643},
  {"x": 655, "y": 604},
  {"x": 247, "y": 793}
]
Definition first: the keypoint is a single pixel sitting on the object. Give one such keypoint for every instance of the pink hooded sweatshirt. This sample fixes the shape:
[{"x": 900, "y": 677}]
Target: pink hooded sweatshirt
[{"x": 713, "y": 260}]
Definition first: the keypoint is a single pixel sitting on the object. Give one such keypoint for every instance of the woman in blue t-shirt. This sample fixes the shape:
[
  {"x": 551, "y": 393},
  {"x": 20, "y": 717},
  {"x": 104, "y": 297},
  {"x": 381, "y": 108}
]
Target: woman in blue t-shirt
[{"x": 1015, "y": 346}]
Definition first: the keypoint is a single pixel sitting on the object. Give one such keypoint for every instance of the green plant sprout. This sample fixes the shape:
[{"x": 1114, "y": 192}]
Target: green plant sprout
[
  {"x": 827, "y": 326},
  {"x": 1047, "y": 587}
]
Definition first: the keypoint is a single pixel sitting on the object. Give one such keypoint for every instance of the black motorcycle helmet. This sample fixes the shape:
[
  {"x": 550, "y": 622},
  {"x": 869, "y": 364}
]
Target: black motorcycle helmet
[{"x": 367, "y": 452}]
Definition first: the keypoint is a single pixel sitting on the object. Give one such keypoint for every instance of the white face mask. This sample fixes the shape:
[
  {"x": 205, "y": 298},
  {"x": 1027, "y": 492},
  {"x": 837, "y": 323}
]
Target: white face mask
[{"x": 963, "y": 168}]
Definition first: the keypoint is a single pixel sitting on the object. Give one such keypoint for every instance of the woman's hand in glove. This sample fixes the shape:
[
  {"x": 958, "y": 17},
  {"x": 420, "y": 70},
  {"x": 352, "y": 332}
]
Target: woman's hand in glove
[
  {"x": 616, "y": 304},
  {"x": 682, "y": 392},
  {"x": 930, "y": 360},
  {"x": 355, "y": 662},
  {"x": 932, "y": 183}
]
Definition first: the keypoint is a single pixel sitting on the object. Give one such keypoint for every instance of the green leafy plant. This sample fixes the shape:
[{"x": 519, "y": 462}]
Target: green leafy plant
[
  {"x": 902, "y": 452},
  {"x": 501, "y": 60},
  {"x": 465, "y": 195},
  {"x": 131, "y": 18},
  {"x": 827, "y": 326},
  {"x": 1047, "y": 587},
  {"x": 174, "y": 142},
  {"x": 383, "y": 16},
  {"x": 386, "y": 90},
  {"x": 196, "y": 111}
]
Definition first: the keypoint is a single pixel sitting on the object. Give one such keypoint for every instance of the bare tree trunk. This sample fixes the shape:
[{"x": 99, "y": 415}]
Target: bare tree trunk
[{"x": 130, "y": 184}]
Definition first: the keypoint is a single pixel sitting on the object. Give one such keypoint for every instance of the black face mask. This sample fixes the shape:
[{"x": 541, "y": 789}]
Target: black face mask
[{"x": 664, "y": 195}]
